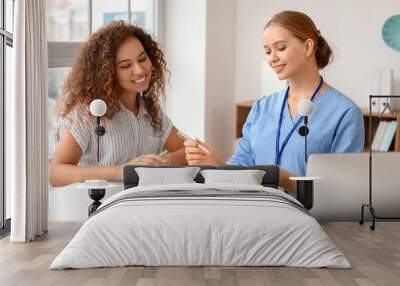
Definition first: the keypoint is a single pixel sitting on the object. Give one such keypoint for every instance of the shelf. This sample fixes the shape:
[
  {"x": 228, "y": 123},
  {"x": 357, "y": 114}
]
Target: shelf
[
  {"x": 242, "y": 110},
  {"x": 385, "y": 115},
  {"x": 248, "y": 103},
  {"x": 376, "y": 118}
]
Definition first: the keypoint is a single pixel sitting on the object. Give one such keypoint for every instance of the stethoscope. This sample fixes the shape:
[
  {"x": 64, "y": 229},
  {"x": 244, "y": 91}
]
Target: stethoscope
[{"x": 279, "y": 151}]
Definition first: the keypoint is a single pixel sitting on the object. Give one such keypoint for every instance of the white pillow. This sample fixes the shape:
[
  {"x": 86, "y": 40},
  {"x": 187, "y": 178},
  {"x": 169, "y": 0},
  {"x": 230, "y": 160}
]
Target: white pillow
[
  {"x": 162, "y": 176},
  {"x": 249, "y": 177}
]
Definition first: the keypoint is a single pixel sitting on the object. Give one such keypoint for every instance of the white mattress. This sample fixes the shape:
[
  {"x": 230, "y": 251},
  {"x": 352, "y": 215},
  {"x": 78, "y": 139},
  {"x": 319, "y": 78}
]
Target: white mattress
[{"x": 183, "y": 231}]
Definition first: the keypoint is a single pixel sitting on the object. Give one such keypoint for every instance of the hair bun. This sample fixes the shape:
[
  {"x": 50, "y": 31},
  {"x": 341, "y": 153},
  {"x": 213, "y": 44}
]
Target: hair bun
[{"x": 323, "y": 52}]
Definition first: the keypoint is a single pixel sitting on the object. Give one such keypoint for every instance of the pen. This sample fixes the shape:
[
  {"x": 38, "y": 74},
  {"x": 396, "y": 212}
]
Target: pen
[{"x": 186, "y": 137}]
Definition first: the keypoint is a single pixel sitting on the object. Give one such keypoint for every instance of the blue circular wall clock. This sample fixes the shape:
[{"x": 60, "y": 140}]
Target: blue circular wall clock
[{"x": 391, "y": 32}]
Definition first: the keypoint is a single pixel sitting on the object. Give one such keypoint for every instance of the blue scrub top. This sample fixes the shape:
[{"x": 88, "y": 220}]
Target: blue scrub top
[{"x": 336, "y": 126}]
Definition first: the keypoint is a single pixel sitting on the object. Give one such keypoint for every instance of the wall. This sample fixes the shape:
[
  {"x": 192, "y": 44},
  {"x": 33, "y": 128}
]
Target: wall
[
  {"x": 200, "y": 52},
  {"x": 353, "y": 30},
  {"x": 185, "y": 32},
  {"x": 220, "y": 76}
]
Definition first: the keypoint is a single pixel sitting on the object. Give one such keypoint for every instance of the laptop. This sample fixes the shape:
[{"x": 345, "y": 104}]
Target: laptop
[{"x": 344, "y": 185}]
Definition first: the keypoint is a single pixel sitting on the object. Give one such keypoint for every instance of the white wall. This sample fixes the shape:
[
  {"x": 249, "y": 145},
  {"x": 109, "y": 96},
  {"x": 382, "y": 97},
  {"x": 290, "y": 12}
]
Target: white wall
[
  {"x": 185, "y": 32},
  {"x": 200, "y": 52},
  {"x": 220, "y": 76},
  {"x": 353, "y": 28}
]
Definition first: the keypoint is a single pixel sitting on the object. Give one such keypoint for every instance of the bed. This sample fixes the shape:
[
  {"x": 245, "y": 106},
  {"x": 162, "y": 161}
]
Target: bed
[{"x": 201, "y": 224}]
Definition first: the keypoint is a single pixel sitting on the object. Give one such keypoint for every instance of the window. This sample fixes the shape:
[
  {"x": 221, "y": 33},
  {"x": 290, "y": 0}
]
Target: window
[
  {"x": 70, "y": 22},
  {"x": 105, "y": 11},
  {"x": 55, "y": 77},
  {"x": 142, "y": 13},
  {"x": 9, "y": 15},
  {"x": 6, "y": 43}
]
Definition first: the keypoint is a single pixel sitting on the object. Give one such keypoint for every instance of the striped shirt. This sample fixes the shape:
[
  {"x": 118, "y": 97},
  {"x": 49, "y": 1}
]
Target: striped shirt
[{"x": 127, "y": 136}]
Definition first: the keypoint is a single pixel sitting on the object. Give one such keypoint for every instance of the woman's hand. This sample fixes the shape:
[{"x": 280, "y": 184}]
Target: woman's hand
[
  {"x": 198, "y": 154},
  {"x": 148, "y": 160}
]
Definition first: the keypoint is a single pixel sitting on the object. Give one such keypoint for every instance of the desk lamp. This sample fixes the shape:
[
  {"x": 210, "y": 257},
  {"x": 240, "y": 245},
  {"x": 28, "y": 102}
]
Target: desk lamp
[
  {"x": 305, "y": 185},
  {"x": 305, "y": 108},
  {"x": 97, "y": 191}
]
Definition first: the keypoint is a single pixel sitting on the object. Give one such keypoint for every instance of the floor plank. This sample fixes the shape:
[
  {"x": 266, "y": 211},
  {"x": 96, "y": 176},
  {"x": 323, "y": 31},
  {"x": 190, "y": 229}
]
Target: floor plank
[{"x": 374, "y": 255}]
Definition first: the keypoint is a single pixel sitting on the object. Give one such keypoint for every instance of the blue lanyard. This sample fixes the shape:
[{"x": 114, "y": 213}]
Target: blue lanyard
[{"x": 278, "y": 152}]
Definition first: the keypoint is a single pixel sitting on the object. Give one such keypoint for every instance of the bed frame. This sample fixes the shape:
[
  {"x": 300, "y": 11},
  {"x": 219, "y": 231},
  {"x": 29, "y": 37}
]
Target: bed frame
[{"x": 270, "y": 179}]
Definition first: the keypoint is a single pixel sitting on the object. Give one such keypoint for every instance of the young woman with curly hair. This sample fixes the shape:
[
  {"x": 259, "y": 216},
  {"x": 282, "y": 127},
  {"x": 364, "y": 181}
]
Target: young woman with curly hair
[{"x": 124, "y": 67}]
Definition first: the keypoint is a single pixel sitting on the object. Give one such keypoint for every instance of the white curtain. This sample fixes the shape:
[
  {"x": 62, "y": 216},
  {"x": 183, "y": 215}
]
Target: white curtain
[{"x": 26, "y": 118}]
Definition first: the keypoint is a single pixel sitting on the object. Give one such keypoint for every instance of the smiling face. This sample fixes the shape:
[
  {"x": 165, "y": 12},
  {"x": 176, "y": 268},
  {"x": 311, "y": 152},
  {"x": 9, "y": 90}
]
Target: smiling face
[
  {"x": 286, "y": 54},
  {"x": 133, "y": 66}
]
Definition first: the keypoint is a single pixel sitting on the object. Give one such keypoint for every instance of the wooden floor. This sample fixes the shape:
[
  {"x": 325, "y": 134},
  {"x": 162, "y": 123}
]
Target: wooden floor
[{"x": 374, "y": 255}]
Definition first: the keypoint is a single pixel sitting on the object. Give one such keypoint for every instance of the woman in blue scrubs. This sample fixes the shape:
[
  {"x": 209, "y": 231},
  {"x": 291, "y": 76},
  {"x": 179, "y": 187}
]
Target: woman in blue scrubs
[{"x": 296, "y": 51}]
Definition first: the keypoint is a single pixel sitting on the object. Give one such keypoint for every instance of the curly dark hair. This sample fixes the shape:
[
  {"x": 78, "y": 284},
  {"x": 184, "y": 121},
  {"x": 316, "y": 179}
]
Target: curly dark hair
[{"x": 93, "y": 75}]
